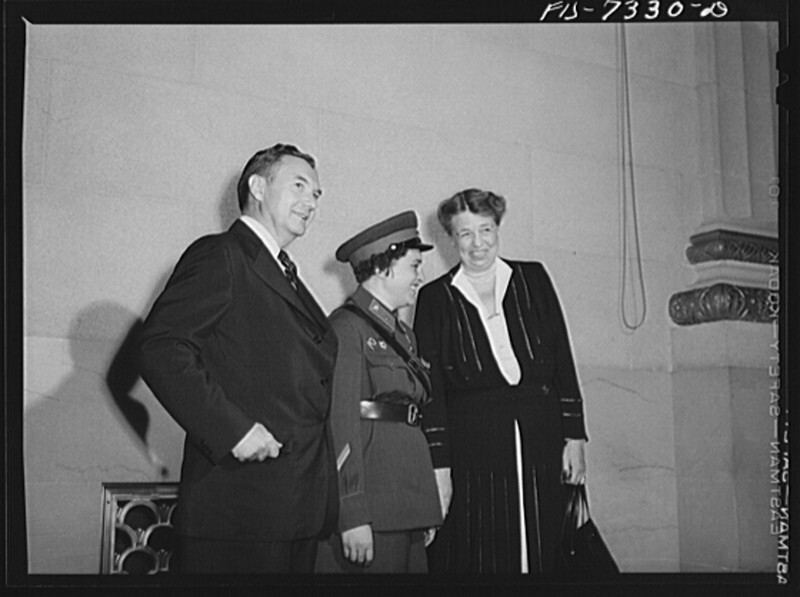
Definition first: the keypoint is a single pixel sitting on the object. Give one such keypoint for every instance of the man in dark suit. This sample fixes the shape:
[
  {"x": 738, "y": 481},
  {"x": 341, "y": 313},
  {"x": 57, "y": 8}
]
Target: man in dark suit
[{"x": 241, "y": 355}]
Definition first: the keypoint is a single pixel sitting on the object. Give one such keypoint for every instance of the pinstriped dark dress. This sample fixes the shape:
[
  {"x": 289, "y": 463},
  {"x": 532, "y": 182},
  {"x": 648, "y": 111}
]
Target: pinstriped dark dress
[{"x": 470, "y": 423}]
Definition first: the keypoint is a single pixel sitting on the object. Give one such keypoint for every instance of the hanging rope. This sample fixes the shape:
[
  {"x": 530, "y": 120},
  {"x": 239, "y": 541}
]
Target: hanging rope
[{"x": 627, "y": 198}]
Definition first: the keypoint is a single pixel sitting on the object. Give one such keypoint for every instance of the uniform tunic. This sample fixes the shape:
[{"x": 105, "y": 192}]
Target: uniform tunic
[
  {"x": 474, "y": 412},
  {"x": 387, "y": 478}
]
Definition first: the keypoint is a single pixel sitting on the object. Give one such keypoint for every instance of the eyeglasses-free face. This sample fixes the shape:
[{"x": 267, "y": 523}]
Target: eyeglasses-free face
[{"x": 477, "y": 239}]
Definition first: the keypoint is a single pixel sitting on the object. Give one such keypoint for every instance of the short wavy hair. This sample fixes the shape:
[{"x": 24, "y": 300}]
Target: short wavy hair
[
  {"x": 477, "y": 201},
  {"x": 264, "y": 163},
  {"x": 379, "y": 262}
]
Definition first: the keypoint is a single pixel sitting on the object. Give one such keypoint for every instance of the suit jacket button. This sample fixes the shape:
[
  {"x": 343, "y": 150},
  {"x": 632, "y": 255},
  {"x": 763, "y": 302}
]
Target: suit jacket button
[
  {"x": 545, "y": 388},
  {"x": 317, "y": 339},
  {"x": 323, "y": 382}
]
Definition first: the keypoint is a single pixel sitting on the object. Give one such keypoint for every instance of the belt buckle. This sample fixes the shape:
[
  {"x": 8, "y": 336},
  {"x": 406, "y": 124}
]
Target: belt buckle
[{"x": 412, "y": 416}]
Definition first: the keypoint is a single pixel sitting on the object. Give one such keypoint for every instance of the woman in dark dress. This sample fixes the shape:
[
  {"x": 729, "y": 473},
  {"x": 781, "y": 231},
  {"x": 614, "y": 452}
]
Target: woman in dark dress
[{"x": 505, "y": 424}]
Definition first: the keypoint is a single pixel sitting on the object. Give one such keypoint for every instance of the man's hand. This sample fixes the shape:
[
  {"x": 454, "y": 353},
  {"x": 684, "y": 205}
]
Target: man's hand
[
  {"x": 445, "y": 485},
  {"x": 574, "y": 463},
  {"x": 357, "y": 544},
  {"x": 258, "y": 444}
]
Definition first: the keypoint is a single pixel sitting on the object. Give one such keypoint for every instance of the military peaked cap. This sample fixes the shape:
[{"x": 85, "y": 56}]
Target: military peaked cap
[{"x": 394, "y": 232}]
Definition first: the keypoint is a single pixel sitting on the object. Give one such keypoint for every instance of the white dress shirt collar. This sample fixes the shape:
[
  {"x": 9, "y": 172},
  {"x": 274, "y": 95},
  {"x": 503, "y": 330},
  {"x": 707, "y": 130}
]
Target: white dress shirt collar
[{"x": 261, "y": 232}]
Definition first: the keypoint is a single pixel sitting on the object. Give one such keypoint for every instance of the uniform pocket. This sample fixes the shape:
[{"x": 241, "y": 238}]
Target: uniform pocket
[
  {"x": 387, "y": 372},
  {"x": 381, "y": 359}
]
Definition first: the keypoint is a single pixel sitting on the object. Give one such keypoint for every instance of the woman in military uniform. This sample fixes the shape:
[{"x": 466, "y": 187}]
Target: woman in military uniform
[{"x": 388, "y": 493}]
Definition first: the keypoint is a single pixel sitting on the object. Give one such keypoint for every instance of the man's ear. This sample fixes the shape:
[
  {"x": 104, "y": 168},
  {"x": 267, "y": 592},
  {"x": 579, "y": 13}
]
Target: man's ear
[{"x": 258, "y": 186}]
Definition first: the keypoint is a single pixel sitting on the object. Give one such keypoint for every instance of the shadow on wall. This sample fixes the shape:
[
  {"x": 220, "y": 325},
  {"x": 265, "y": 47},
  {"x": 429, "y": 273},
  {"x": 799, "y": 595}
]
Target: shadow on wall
[
  {"x": 96, "y": 421},
  {"x": 121, "y": 378},
  {"x": 98, "y": 425}
]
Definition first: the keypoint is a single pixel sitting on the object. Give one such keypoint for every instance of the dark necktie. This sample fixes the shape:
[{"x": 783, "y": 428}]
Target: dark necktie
[
  {"x": 289, "y": 268},
  {"x": 290, "y": 271}
]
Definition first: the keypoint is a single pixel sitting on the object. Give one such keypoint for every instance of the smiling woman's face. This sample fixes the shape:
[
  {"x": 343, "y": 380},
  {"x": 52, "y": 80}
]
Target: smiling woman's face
[{"x": 477, "y": 239}]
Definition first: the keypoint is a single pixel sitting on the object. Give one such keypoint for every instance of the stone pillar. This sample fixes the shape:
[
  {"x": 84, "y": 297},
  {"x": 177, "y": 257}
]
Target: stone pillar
[
  {"x": 724, "y": 425},
  {"x": 724, "y": 339}
]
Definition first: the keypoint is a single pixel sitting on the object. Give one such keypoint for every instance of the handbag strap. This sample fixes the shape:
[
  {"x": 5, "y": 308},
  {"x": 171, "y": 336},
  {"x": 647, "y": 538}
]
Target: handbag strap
[{"x": 416, "y": 367}]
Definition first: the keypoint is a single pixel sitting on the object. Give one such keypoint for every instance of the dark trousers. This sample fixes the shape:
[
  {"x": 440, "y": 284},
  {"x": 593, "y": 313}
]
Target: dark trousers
[
  {"x": 394, "y": 553},
  {"x": 207, "y": 556}
]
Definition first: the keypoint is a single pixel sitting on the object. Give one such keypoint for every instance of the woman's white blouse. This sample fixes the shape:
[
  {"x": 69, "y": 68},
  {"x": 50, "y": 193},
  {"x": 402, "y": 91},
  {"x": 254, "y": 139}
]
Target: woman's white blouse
[{"x": 494, "y": 323}]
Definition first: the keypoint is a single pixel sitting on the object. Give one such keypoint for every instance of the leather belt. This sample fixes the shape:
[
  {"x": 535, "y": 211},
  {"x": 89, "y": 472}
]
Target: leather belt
[{"x": 384, "y": 411}]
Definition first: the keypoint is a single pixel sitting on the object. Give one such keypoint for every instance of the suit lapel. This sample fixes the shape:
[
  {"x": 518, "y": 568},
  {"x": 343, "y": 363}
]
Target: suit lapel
[
  {"x": 301, "y": 300},
  {"x": 268, "y": 270},
  {"x": 312, "y": 307}
]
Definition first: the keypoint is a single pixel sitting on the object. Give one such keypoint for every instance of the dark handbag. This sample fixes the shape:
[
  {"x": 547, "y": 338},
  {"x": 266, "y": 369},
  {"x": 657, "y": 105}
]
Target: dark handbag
[{"x": 582, "y": 553}]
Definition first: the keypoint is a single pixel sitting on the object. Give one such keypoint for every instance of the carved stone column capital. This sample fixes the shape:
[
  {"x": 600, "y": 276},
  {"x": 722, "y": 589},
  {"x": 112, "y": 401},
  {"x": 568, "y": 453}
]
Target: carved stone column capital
[
  {"x": 733, "y": 271},
  {"x": 721, "y": 302},
  {"x": 718, "y": 245}
]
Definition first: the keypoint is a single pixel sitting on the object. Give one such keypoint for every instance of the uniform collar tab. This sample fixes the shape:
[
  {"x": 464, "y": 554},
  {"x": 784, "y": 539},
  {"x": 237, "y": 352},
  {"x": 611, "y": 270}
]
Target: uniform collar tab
[{"x": 367, "y": 302}]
